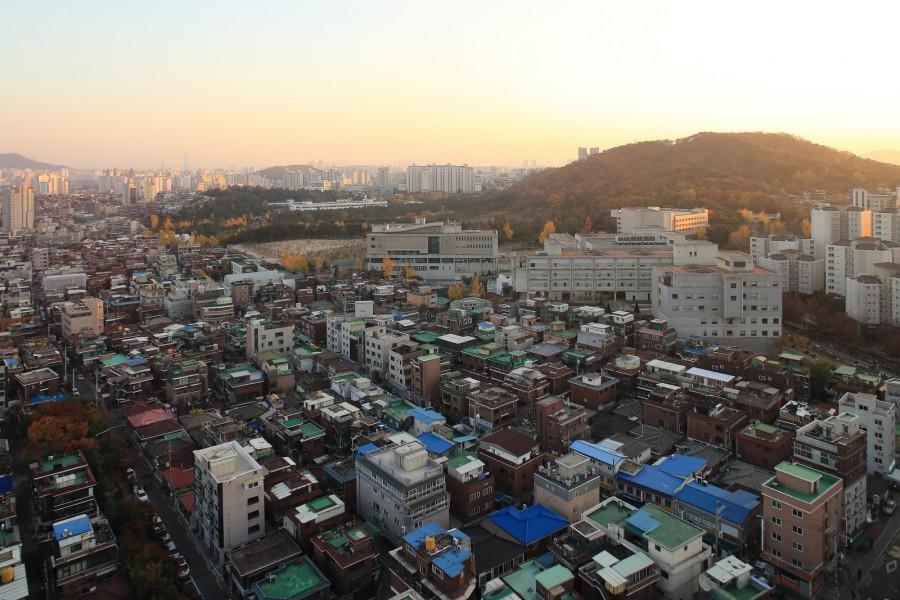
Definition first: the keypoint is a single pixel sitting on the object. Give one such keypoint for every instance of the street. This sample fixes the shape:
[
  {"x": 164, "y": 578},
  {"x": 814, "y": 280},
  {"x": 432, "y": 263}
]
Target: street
[
  {"x": 204, "y": 580},
  {"x": 879, "y": 578}
]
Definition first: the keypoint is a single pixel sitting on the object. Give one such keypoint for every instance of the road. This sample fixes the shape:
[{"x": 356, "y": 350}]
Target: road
[
  {"x": 206, "y": 581},
  {"x": 876, "y": 582}
]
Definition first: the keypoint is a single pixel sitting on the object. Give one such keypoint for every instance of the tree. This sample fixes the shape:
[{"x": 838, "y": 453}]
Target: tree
[
  {"x": 588, "y": 226},
  {"x": 456, "y": 291},
  {"x": 805, "y": 228},
  {"x": 154, "y": 221},
  {"x": 549, "y": 228},
  {"x": 739, "y": 239},
  {"x": 294, "y": 262},
  {"x": 818, "y": 379},
  {"x": 318, "y": 261},
  {"x": 409, "y": 272},
  {"x": 387, "y": 267},
  {"x": 476, "y": 285},
  {"x": 507, "y": 232}
]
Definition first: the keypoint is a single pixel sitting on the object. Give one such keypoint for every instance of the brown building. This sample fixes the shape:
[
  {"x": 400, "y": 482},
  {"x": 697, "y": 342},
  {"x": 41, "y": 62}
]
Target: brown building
[
  {"x": 657, "y": 337},
  {"x": 558, "y": 424},
  {"x": 668, "y": 408},
  {"x": 62, "y": 486},
  {"x": 426, "y": 375},
  {"x": 529, "y": 385},
  {"x": 348, "y": 557},
  {"x": 513, "y": 458},
  {"x": 492, "y": 409},
  {"x": 471, "y": 488},
  {"x": 438, "y": 560},
  {"x": 715, "y": 424},
  {"x": 759, "y": 401},
  {"x": 39, "y": 382},
  {"x": 558, "y": 375},
  {"x": 455, "y": 389},
  {"x": 593, "y": 390},
  {"x": 763, "y": 445},
  {"x": 801, "y": 526}
]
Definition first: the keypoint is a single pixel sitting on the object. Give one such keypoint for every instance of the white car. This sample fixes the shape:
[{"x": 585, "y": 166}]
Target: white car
[{"x": 141, "y": 495}]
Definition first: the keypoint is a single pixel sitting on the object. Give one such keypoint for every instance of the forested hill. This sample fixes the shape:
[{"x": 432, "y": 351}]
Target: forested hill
[{"x": 721, "y": 171}]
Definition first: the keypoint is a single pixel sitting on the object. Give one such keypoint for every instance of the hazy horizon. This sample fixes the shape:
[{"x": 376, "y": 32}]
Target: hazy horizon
[{"x": 98, "y": 84}]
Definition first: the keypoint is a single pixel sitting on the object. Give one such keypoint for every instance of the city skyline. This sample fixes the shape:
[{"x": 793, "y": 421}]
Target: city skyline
[{"x": 280, "y": 83}]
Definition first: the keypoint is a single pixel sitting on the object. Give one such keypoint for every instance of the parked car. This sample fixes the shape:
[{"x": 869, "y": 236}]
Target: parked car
[
  {"x": 889, "y": 506},
  {"x": 182, "y": 568},
  {"x": 171, "y": 548},
  {"x": 129, "y": 473},
  {"x": 141, "y": 495}
]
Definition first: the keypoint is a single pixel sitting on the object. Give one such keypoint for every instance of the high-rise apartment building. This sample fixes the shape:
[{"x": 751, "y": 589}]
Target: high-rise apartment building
[
  {"x": 582, "y": 153},
  {"x": 800, "y": 527},
  {"x": 802, "y": 273},
  {"x": 861, "y": 198},
  {"x": 400, "y": 488},
  {"x": 449, "y": 179},
  {"x": 830, "y": 224},
  {"x": 850, "y": 258},
  {"x": 18, "y": 209},
  {"x": 779, "y": 242},
  {"x": 228, "y": 492}
]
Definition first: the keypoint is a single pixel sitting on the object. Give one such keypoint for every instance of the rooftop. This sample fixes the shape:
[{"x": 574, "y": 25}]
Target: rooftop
[
  {"x": 662, "y": 528},
  {"x": 292, "y": 582}
]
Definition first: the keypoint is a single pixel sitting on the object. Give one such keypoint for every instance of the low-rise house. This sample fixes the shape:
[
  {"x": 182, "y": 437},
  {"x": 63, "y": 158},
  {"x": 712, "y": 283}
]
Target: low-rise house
[
  {"x": 441, "y": 561},
  {"x": 513, "y": 458}
]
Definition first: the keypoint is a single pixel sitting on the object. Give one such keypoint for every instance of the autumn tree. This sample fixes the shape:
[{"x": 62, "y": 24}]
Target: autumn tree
[
  {"x": 456, "y": 291},
  {"x": 294, "y": 262},
  {"x": 387, "y": 267},
  {"x": 805, "y": 228},
  {"x": 739, "y": 239},
  {"x": 476, "y": 285},
  {"x": 549, "y": 228},
  {"x": 318, "y": 261},
  {"x": 507, "y": 232},
  {"x": 409, "y": 272},
  {"x": 154, "y": 221},
  {"x": 588, "y": 226}
]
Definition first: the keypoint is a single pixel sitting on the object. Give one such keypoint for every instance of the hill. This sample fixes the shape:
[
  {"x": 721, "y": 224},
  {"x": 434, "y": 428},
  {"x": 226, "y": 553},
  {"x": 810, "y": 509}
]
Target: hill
[
  {"x": 17, "y": 161},
  {"x": 724, "y": 172},
  {"x": 280, "y": 170}
]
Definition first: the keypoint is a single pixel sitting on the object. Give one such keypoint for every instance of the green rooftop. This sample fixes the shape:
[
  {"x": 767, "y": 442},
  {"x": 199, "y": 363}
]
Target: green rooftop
[
  {"x": 114, "y": 360},
  {"x": 611, "y": 513},
  {"x": 397, "y": 410},
  {"x": 522, "y": 580},
  {"x": 292, "y": 582},
  {"x": 58, "y": 462},
  {"x": 309, "y": 430},
  {"x": 790, "y": 356},
  {"x": 554, "y": 576},
  {"x": 425, "y": 337},
  {"x": 825, "y": 481},
  {"x": 291, "y": 423},
  {"x": 320, "y": 503},
  {"x": 672, "y": 532},
  {"x": 733, "y": 592},
  {"x": 458, "y": 461}
]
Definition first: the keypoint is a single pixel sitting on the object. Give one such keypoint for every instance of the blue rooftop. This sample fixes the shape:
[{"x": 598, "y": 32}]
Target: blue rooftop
[
  {"x": 642, "y": 521},
  {"x": 596, "y": 452},
  {"x": 681, "y": 465},
  {"x": 425, "y": 415},
  {"x": 366, "y": 449},
  {"x": 69, "y": 527},
  {"x": 653, "y": 479},
  {"x": 6, "y": 483},
  {"x": 530, "y": 524},
  {"x": 435, "y": 443},
  {"x": 735, "y": 506},
  {"x": 417, "y": 537},
  {"x": 451, "y": 560},
  {"x": 41, "y": 398},
  {"x": 136, "y": 362}
]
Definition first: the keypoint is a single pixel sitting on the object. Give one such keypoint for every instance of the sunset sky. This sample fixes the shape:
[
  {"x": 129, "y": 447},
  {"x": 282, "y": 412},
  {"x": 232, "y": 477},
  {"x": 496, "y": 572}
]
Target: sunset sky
[{"x": 94, "y": 84}]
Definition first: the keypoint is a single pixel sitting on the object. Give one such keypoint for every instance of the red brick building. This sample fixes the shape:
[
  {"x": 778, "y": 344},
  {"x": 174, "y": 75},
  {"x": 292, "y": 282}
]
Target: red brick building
[
  {"x": 593, "y": 390},
  {"x": 763, "y": 445},
  {"x": 512, "y": 457},
  {"x": 667, "y": 408},
  {"x": 559, "y": 424},
  {"x": 715, "y": 424},
  {"x": 471, "y": 488}
]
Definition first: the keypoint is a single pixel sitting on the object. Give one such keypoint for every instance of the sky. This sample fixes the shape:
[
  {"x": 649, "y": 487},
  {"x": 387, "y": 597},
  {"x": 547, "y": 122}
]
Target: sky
[{"x": 138, "y": 84}]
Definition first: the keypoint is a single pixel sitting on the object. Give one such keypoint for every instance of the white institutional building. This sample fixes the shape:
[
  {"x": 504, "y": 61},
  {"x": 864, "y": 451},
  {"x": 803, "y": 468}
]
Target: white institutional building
[{"x": 633, "y": 219}]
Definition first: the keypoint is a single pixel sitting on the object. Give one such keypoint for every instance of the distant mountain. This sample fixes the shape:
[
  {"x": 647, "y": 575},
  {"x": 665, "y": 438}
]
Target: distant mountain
[
  {"x": 885, "y": 155},
  {"x": 279, "y": 171},
  {"x": 721, "y": 171},
  {"x": 17, "y": 161}
]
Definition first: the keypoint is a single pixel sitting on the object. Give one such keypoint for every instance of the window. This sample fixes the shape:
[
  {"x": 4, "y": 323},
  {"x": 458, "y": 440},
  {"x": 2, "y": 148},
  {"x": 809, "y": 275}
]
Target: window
[
  {"x": 797, "y": 547},
  {"x": 776, "y": 521},
  {"x": 253, "y": 529},
  {"x": 797, "y": 562},
  {"x": 777, "y": 504},
  {"x": 437, "y": 572},
  {"x": 776, "y": 553},
  {"x": 253, "y": 500},
  {"x": 252, "y": 515},
  {"x": 797, "y": 513},
  {"x": 797, "y": 530},
  {"x": 776, "y": 536}
]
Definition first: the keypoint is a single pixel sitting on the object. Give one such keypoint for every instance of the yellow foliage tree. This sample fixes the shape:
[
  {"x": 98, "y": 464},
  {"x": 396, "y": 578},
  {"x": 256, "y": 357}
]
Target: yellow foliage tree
[
  {"x": 740, "y": 238},
  {"x": 456, "y": 291},
  {"x": 409, "y": 272},
  {"x": 476, "y": 286},
  {"x": 294, "y": 262},
  {"x": 387, "y": 267},
  {"x": 775, "y": 227},
  {"x": 549, "y": 228},
  {"x": 805, "y": 228},
  {"x": 588, "y": 225},
  {"x": 154, "y": 221},
  {"x": 318, "y": 261},
  {"x": 507, "y": 232}
]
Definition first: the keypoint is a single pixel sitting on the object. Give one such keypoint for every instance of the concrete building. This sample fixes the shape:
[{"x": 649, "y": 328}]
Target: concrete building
[
  {"x": 82, "y": 317},
  {"x": 18, "y": 209},
  {"x": 864, "y": 300},
  {"x": 849, "y": 258},
  {"x": 878, "y": 418},
  {"x": 513, "y": 458},
  {"x": 448, "y": 179},
  {"x": 837, "y": 446},
  {"x": 400, "y": 488},
  {"x": 437, "y": 251},
  {"x": 801, "y": 526},
  {"x": 228, "y": 492},
  {"x": 861, "y": 198},
  {"x": 268, "y": 336},
  {"x": 634, "y": 219},
  {"x": 731, "y": 303},
  {"x": 471, "y": 488},
  {"x": 829, "y": 224},
  {"x": 84, "y": 551},
  {"x": 780, "y": 242},
  {"x": 379, "y": 342},
  {"x": 803, "y": 273},
  {"x": 568, "y": 486},
  {"x": 886, "y": 224}
]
